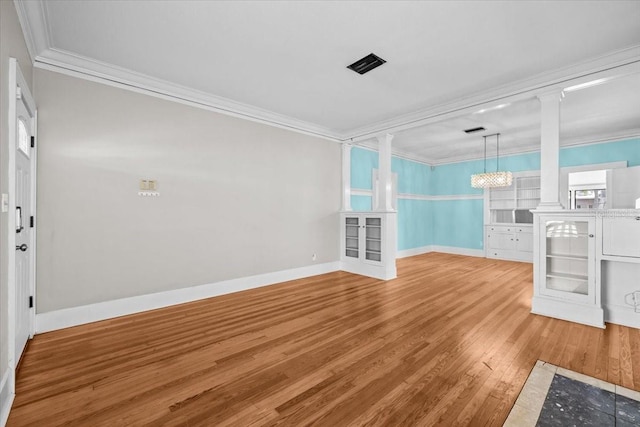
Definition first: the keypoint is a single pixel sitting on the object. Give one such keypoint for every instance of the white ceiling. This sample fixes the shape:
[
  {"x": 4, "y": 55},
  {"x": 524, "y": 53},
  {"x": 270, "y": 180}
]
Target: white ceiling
[
  {"x": 285, "y": 62},
  {"x": 607, "y": 111}
]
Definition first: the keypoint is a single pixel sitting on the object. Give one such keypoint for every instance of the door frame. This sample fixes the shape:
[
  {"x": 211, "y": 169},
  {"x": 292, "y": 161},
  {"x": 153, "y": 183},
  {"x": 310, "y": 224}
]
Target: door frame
[{"x": 18, "y": 91}]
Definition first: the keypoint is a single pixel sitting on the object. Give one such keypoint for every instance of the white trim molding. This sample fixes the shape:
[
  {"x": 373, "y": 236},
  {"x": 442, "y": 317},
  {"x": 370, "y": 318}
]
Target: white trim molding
[
  {"x": 75, "y": 316},
  {"x": 458, "y": 251},
  {"x": 427, "y": 197},
  {"x": 439, "y": 198},
  {"x": 444, "y": 249},
  {"x": 6, "y": 395},
  {"x": 361, "y": 192},
  {"x": 84, "y": 68},
  {"x": 35, "y": 26},
  {"x": 413, "y": 252},
  {"x": 621, "y": 316}
]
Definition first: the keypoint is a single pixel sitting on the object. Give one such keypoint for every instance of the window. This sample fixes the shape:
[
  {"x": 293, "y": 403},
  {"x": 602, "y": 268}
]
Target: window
[{"x": 23, "y": 137}]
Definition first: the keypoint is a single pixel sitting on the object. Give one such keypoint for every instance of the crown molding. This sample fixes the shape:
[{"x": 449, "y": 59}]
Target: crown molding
[
  {"x": 35, "y": 26},
  {"x": 68, "y": 63},
  {"x": 373, "y": 146},
  {"x": 565, "y": 143}
]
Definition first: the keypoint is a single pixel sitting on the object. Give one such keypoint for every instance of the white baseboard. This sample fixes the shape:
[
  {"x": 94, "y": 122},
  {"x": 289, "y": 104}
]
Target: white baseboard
[
  {"x": 624, "y": 316},
  {"x": 458, "y": 251},
  {"x": 414, "y": 251},
  {"x": 75, "y": 316},
  {"x": 444, "y": 249},
  {"x": 570, "y": 311},
  {"x": 6, "y": 396}
]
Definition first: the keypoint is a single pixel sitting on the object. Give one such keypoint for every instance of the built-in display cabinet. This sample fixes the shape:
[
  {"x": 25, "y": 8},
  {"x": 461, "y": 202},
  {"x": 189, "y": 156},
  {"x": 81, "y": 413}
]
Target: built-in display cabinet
[
  {"x": 566, "y": 287},
  {"x": 508, "y": 218},
  {"x": 367, "y": 246},
  {"x": 587, "y": 266}
]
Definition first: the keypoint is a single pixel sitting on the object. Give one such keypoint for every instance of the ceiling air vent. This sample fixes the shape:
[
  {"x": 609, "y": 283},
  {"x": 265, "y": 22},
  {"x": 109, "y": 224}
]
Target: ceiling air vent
[
  {"x": 366, "y": 64},
  {"x": 473, "y": 130}
]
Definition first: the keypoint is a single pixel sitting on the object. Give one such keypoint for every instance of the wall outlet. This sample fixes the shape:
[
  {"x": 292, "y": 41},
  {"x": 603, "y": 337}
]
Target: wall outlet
[{"x": 313, "y": 257}]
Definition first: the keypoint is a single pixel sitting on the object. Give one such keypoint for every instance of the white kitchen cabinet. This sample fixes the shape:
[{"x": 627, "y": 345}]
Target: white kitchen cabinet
[{"x": 367, "y": 246}]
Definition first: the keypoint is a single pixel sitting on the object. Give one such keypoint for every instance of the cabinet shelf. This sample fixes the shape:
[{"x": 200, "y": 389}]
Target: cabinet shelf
[
  {"x": 560, "y": 235},
  {"x": 568, "y": 287},
  {"x": 570, "y": 257},
  {"x": 567, "y": 276}
]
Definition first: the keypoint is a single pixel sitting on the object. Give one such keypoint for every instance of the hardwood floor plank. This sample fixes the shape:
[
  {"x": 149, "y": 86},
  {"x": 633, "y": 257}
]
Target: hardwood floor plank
[{"x": 450, "y": 342}]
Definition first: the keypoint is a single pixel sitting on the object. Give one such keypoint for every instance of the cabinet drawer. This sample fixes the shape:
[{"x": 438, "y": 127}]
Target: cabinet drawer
[{"x": 621, "y": 236}]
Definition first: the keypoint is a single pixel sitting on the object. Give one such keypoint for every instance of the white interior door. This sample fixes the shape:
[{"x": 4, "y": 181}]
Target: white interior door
[{"x": 24, "y": 241}]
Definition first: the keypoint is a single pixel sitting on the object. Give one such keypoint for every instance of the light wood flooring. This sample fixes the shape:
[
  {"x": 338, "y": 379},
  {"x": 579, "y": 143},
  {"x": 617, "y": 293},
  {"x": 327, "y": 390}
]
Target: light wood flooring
[{"x": 450, "y": 342}]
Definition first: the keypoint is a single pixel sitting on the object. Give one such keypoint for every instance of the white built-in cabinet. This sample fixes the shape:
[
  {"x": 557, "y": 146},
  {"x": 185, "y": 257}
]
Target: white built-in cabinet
[
  {"x": 508, "y": 218},
  {"x": 509, "y": 242},
  {"x": 587, "y": 266},
  {"x": 367, "y": 245},
  {"x": 618, "y": 266},
  {"x": 565, "y": 285}
]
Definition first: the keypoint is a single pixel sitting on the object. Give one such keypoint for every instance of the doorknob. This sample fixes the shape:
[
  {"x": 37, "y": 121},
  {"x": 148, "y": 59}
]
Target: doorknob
[{"x": 23, "y": 247}]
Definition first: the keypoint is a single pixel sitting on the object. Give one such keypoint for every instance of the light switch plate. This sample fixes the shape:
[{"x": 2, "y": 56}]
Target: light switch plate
[{"x": 5, "y": 202}]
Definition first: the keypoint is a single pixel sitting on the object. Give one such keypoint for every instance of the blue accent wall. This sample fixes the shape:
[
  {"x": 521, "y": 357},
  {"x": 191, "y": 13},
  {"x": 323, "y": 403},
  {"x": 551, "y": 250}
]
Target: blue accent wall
[
  {"x": 459, "y": 223},
  {"x": 628, "y": 150},
  {"x": 415, "y": 219},
  {"x": 413, "y": 177},
  {"x": 362, "y": 163},
  {"x": 361, "y": 203}
]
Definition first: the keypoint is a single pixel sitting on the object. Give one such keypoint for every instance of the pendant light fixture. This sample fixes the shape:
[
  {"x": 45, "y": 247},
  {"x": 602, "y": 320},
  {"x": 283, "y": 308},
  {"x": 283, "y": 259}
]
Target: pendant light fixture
[{"x": 492, "y": 179}]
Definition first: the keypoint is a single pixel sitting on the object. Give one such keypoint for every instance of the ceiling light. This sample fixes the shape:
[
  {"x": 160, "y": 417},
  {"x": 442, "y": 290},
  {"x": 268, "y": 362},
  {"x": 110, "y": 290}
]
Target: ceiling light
[
  {"x": 492, "y": 179},
  {"x": 497, "y": 107},
  {"x": 366, "y": 64},
  {"x": 586, "y": 85}
]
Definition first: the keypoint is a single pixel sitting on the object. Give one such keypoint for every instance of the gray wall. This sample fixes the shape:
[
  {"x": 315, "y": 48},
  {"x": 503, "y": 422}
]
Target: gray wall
[
  {"x": 12, "y": 44},
  {"x": 238, "y": 198}
]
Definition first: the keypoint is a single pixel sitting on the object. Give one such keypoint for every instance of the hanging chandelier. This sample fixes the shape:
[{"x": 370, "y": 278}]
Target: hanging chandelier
[{"x": 492, "y": 179}]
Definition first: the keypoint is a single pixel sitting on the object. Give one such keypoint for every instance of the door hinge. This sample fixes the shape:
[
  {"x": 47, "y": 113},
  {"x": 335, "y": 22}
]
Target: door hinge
[
  {"x": 31, "y": 221},
  {"x": 31, "y": 301},
  {"x": 33, "y": 141}
]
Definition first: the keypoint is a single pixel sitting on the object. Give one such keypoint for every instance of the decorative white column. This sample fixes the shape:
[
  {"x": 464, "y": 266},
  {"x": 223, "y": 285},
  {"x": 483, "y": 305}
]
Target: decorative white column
[
  {"x": 346, "y": 176},
  {"x": 385, "y": 186},
  {"x": 550, "y": 150}
]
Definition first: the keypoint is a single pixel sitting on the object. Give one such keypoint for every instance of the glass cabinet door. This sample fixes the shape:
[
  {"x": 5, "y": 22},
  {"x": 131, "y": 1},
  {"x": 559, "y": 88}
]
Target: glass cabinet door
[
  {"x": 352, "y": 237},
  {"x": 373, "y": 236},
  {"x": 567, "y": 263}
]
